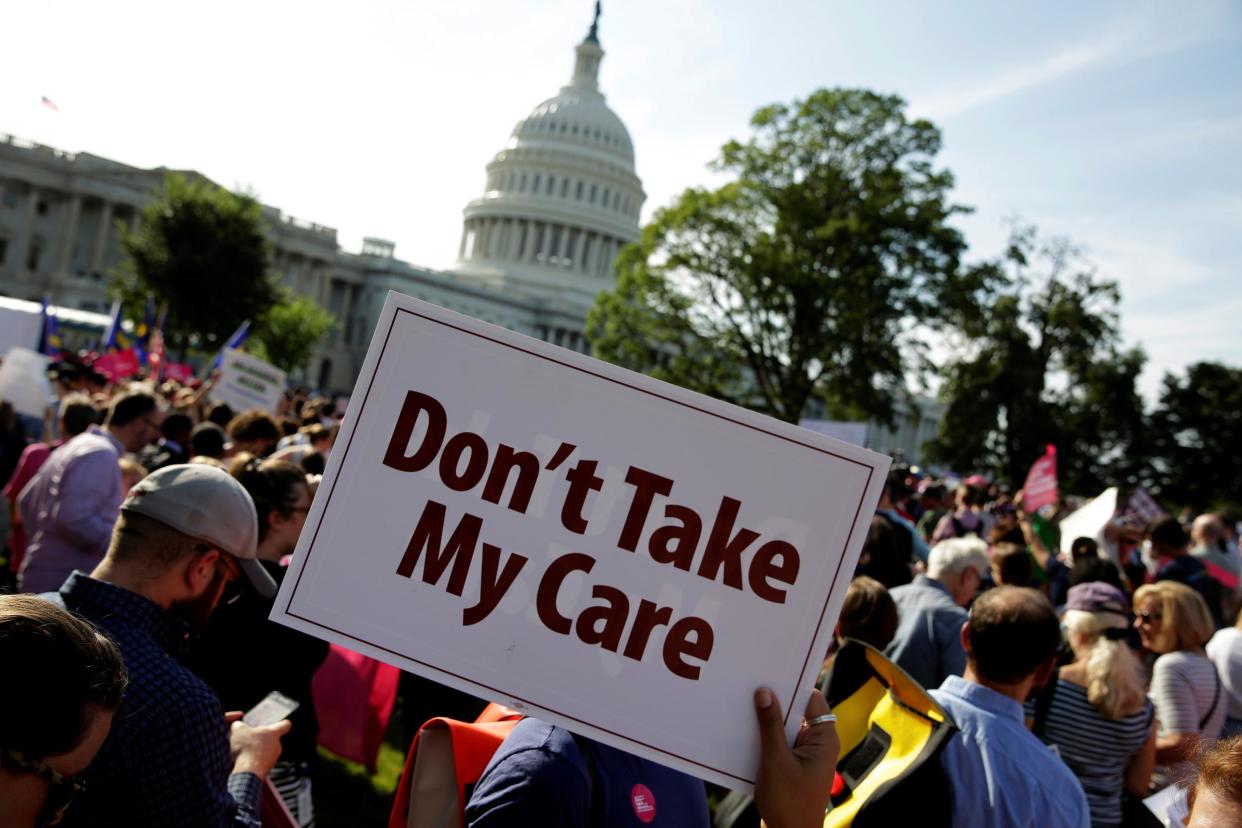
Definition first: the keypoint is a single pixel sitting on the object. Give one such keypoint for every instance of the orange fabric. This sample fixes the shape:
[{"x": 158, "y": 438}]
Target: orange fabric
[{"x": 474, "y": 743}]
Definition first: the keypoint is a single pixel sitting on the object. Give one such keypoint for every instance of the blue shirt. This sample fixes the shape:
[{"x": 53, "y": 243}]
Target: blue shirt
[
  {"x": 928, "y": 643},
  {"x": 918, "y": 546},
  {"x": 1000, "y": 774},
  {"x": 539, "y": 777},
  {"x": 166, "y": 761}
]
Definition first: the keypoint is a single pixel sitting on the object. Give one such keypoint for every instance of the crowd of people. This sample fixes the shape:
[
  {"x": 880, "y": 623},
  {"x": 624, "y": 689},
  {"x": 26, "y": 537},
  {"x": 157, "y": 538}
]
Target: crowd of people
[
  {"x": 165, "y": 522},
  {"x": 149, "y": 530},
  {"x": 1132, "y": 670}
]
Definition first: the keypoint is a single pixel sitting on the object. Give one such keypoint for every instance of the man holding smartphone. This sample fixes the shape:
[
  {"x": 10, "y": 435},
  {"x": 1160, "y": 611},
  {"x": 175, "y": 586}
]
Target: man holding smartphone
[{"x": 173, "y": 757}]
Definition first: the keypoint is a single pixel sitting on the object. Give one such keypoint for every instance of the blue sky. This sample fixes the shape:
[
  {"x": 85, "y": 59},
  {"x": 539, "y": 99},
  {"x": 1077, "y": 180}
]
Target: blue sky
[{"x": 1116, "y": 124}]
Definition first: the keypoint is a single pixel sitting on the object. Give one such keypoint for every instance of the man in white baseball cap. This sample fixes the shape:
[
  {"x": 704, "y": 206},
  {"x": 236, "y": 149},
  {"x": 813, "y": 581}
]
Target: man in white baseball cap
[
  {"x": 172, "y": 757},
  {"x": 208, "y": 505}
]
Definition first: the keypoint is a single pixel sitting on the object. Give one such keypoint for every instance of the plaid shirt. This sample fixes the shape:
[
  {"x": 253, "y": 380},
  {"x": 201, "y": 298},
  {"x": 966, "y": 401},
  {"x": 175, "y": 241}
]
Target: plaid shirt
[{"x": 166, "y": 761}]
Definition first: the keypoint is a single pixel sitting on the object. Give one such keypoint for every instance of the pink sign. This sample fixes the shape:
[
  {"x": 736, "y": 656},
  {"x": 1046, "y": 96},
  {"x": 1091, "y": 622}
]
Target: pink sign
[
  {"x": 117, "y": 364},
  {"x": 178, "y": 371},
  {"x": 1041, "y": 482}
]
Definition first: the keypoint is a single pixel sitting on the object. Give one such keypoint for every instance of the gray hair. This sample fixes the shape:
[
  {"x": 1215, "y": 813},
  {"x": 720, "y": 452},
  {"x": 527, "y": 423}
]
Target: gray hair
[{"x": 949, "y": 557}]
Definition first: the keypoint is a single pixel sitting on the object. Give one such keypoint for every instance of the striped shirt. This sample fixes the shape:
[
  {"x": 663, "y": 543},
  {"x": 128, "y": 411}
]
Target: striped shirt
[
  {"x": 1096, "y": 749},
  {"x": 1184, "y": 686}
]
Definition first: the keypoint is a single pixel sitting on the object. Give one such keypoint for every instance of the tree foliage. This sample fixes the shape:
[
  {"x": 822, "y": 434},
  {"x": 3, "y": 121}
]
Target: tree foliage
[
  {"x": 1044, "y": 365},
  {"x": 203, "y": 251},
  {"x": 808, "y": 275},
  {"x": 1196, "y": 430},
  {"x": 289, "y": 330}
]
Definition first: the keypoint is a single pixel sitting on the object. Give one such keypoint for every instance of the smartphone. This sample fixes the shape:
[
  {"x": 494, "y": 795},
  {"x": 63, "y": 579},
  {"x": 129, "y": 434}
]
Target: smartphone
[{"x": 275, "y": 707}]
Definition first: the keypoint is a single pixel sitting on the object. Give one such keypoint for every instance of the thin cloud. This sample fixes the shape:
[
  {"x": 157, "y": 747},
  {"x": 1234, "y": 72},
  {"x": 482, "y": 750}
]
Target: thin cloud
[{"x": 952, "y": 102}]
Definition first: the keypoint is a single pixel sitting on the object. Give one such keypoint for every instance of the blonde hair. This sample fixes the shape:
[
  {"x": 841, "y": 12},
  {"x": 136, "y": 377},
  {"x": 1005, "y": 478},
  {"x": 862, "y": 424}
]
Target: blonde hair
[
  {"x": 1114, "y": 679},
  {"x": 1186, "y": 623}
]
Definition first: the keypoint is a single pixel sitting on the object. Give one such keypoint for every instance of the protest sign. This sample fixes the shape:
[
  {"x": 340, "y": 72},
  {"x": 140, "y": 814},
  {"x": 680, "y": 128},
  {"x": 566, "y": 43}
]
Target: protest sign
[
  {"x": 248, "y": 382},
  {"x": 853, "y": 433},
  {"x": 615, "y": 555},
  {"x": 23, "y": 382},
  {"x": 1088, "y": 521},
  {"x": 1040, "y": 489},
  {"x": 179, "y": 371},
  {"x": 117, "y": 365}
]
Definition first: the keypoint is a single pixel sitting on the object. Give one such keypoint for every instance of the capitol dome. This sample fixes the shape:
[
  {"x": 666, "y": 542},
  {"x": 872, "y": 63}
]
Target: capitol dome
[{"x": 562, "y": 196}]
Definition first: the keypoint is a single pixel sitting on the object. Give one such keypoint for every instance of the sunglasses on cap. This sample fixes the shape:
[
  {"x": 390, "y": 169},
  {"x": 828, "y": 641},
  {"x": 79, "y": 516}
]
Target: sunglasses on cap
[{"x": 61, "y": 789}]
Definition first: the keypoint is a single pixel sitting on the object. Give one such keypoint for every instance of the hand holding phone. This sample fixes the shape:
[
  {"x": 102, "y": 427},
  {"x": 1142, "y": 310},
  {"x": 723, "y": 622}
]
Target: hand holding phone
[{"x": 275, "y": 707}]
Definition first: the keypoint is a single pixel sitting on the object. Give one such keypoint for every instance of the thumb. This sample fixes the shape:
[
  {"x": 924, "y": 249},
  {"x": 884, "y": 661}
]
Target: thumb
[
  {"x": 771, "y": 725},
  {"x": 280, "y": 728},
  {"x": 817, "y": 705}
]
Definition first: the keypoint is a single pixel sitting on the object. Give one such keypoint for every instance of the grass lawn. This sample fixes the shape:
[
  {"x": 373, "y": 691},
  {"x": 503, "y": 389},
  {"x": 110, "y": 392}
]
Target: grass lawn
[{"x": 346, "y": 795}]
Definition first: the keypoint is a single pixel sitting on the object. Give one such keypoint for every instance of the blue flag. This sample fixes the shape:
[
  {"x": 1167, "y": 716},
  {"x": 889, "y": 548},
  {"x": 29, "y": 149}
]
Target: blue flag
[
  {"x": 142, "y": 343},
  {"x": 49, "y": 336},
  {"x": 235, "y": 341},
  {"x": 109, "y": 341}
]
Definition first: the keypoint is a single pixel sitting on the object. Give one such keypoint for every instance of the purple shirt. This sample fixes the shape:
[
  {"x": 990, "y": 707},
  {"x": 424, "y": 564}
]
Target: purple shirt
[{"x": 69, "y": 509}]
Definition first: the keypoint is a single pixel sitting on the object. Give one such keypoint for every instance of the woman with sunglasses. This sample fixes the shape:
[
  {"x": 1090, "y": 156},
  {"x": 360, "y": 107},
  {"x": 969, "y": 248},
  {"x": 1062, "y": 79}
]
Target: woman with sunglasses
[
  {"x": 1173, "y": 621},
  {"x": 244, "y": 656}
]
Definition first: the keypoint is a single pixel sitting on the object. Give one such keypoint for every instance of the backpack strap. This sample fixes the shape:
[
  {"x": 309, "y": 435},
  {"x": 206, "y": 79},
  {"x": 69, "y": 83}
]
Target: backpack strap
[
  {"x": 1215, "y": 701},
  {"x": 1043, "y": 704},
  {"x": 595, "y": 802}
]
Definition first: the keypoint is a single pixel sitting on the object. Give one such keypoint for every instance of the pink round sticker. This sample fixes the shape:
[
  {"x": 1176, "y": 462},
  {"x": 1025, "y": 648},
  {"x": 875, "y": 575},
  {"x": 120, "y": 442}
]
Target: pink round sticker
[{"x": 644, "y": 804}]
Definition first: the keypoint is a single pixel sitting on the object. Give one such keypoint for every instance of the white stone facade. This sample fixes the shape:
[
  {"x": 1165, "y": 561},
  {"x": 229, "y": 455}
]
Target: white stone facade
[{"x": 562, "y": 198}]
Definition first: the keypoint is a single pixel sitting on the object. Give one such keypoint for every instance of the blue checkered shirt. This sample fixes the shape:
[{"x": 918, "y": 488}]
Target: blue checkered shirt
[{"x": 166, "y": 761}]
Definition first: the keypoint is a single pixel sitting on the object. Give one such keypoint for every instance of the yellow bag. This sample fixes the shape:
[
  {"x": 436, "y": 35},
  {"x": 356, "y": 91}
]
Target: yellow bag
[{"x": 891, "y": 733}]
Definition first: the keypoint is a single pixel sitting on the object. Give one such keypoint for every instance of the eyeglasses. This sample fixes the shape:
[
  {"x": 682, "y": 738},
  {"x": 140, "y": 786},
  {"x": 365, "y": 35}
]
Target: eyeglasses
[
  {"x": 61, "y": 789},
  {"x": 1148, "y": 617}
]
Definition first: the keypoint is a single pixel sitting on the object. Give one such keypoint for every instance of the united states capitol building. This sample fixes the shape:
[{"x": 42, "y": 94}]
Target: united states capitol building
[{"x": 562, "y": 198}]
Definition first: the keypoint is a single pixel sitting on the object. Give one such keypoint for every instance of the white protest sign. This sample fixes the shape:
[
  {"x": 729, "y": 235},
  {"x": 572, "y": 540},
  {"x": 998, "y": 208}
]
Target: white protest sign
[
  {"x": 248, "y": 382},
  {"x": 24, "y": 383},
  {"x": 615, "y": 555},
  {"x": 1088, "y": 521}
]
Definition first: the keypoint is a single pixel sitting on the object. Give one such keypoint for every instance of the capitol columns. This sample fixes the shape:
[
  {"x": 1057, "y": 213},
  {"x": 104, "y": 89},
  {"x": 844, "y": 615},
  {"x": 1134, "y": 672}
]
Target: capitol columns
[
  {"x": 580, "y": 250},
  {"x": 98, "y": 245},
  {"x": 69, "y": 233},
  {"x": 25, "y": 235}
]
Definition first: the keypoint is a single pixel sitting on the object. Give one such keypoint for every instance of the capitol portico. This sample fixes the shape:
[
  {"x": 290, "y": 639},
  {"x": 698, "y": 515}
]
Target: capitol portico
[
  {"x": 562, "y": 196},
  {"x": 561, "y": 199}
]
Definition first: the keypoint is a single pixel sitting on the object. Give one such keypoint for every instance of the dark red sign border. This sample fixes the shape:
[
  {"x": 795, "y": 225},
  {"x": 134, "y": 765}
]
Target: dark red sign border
[{"x": 379, "y": 360}]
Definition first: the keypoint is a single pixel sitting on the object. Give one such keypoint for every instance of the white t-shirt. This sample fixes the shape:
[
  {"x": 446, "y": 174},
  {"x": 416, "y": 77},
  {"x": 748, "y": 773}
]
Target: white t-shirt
[
  {"x": 1225, "y": 650},
  {"x": 1183, "y": 687}
]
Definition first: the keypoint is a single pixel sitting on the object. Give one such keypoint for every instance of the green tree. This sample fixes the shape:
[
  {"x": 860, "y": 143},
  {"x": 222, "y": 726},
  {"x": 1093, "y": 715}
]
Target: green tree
[
  {"x": 203, "y": 251},
  {"x": 1044, "y": 365},
  {"x": 288, "y": 331},
  {"x": 814, "y": 273},
  {"x": 1196, "y": 430}
]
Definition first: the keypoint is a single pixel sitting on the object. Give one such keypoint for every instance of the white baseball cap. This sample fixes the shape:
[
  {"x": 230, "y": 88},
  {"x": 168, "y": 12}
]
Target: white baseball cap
[{"x": 205, "y": 503}]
